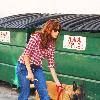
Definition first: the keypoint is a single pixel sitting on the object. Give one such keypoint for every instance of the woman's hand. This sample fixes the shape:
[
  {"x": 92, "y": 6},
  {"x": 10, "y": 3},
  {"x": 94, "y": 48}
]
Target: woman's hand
[
  {"x": 30, "y": 76},
  {"x": 59, "y": 88}
]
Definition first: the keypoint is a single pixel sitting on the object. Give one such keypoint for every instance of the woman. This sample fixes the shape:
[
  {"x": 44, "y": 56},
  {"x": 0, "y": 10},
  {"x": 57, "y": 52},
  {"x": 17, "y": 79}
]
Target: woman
[{"x": 41, "y": 45}]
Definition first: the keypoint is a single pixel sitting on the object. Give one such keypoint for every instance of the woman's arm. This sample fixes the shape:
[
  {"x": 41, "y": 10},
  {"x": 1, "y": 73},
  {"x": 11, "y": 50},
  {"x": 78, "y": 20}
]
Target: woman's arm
[
  {"x": 54, "y": 75},
  {"x": 27, "y": 53},
  {"x": 30, "y": 75},
  {"x": 51, "y": 63}
]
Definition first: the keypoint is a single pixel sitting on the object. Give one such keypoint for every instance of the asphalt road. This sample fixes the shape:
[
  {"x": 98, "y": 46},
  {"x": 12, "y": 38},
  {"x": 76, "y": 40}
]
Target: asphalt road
[{"x": 9, "y": 92}]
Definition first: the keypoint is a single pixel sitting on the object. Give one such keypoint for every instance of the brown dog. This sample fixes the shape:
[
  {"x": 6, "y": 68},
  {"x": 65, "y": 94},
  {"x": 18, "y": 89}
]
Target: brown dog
[{"x": 69, "y": 92}]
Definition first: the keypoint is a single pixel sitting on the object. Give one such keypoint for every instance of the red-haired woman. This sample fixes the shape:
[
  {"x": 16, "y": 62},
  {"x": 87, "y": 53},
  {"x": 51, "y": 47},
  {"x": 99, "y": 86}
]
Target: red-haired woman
[{"x": 41, "y": 45}]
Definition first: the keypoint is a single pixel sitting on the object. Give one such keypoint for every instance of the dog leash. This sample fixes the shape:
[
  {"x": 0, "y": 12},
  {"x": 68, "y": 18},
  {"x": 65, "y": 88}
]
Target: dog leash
[{"x": 59, "y": 92}]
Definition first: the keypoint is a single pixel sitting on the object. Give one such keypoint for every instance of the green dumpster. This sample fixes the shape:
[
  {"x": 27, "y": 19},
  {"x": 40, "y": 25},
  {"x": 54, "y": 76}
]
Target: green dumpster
[{"x": 77, "y": 52}]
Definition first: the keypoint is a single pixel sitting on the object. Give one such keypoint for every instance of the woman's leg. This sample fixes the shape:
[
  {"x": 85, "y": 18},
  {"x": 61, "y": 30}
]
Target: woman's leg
[
  {"x": 40, "y": 83},
  {"x": 24, "y": 82}
]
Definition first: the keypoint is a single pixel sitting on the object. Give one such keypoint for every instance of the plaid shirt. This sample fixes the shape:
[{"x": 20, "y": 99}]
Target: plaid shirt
[{"x": 36, "y": 54}]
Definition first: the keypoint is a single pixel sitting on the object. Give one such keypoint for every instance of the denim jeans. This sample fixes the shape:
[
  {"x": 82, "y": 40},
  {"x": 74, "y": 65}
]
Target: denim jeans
[{"x": 39, "y": 82}]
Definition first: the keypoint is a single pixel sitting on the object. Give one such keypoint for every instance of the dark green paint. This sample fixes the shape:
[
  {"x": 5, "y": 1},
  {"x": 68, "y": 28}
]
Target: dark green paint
[{"x": 79, "y": 65}]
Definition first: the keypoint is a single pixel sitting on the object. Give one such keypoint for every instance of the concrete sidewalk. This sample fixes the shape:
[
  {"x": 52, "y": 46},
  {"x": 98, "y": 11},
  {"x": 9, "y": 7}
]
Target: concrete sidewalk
[{"x": 8, "y": 92}]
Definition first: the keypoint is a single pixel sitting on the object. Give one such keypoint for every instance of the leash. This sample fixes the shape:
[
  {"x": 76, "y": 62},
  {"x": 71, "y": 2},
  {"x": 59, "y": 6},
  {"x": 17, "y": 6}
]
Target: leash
[{"x": 59, "y": 92}]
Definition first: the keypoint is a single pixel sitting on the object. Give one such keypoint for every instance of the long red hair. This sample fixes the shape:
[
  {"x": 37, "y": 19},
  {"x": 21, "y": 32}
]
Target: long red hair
[{"x": 52, "y": 24}]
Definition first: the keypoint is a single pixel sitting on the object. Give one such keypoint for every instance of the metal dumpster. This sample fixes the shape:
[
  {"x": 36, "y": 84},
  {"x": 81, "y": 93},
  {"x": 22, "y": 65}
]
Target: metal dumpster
[{"x": 77, "y": 53}]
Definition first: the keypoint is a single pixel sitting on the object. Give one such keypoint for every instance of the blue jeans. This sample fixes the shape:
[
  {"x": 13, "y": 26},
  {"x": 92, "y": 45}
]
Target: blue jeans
[{"x": 39, "y": 82}]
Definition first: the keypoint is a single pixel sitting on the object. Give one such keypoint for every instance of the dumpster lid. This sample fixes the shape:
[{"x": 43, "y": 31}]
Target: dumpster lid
[{"x": 69, "y": 22}]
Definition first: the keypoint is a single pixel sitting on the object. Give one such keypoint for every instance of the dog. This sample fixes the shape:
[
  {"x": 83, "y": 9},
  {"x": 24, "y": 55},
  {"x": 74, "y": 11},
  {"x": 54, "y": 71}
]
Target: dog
[{"x": 69, "y": 92}]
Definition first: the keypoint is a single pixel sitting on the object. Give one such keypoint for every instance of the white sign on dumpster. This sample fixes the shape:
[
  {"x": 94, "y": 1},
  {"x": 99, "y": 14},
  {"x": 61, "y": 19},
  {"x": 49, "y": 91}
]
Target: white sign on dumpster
[
  {"x": 74, "y": 42},
  {"x": 5, "y": 36}
]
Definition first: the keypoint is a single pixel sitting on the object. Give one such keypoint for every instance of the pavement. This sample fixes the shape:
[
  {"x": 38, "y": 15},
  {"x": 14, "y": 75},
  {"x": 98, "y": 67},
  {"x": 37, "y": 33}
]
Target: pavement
[{"x": 10, "y": 92}]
